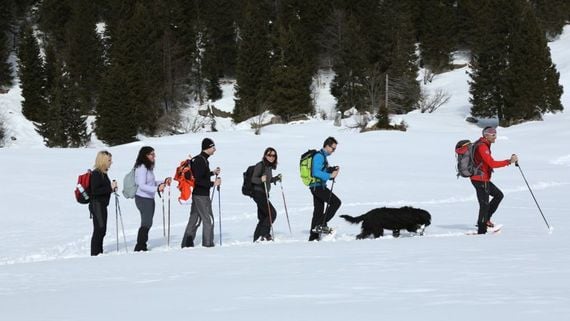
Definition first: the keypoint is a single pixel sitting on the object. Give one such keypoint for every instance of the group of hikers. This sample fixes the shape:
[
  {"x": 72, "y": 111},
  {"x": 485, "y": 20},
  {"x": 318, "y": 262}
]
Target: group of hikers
[{"x": 101, "y": 189}]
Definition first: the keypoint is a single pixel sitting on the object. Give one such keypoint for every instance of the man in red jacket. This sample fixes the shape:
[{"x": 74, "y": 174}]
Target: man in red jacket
[{"x": 482, "y": 179}]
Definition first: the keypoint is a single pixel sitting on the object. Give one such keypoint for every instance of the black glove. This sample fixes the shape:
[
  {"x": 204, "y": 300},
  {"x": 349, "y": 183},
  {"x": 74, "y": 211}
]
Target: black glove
[{"x": 279, "y": 177}]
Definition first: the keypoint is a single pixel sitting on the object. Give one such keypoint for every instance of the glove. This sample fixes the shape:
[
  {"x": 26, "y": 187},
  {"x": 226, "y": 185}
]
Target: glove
[{"x": 279, "y": 177}]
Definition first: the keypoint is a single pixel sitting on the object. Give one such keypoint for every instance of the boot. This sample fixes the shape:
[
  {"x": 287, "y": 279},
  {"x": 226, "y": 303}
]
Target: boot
[{"x": 142, "y": 237}]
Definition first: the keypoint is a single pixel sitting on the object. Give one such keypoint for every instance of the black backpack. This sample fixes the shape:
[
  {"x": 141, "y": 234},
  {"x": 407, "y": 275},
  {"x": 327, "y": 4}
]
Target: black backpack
[{"x": 247, "y": 186}]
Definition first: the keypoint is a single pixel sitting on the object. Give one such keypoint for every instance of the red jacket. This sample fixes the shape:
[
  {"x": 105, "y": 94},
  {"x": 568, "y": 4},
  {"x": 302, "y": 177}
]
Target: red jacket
[{"x": 483, "y": 157}]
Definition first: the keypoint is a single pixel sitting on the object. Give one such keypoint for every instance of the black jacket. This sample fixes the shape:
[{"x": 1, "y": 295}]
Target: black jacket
[
  {"x": 100, "y": 186},
  {"x": 201, "y": 171}
]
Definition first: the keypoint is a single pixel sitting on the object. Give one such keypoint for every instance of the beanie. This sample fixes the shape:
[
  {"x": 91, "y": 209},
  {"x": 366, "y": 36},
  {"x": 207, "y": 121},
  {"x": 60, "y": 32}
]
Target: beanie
[{"x": 207, "y": 143}]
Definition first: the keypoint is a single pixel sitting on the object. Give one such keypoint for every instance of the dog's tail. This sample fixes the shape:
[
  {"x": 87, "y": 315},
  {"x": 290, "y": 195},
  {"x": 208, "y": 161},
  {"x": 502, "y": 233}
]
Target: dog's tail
[{"x": 353, "y": 220}]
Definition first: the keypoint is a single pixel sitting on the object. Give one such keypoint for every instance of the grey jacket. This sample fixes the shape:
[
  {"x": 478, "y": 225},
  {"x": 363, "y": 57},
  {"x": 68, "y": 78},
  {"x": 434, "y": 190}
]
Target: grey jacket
[{"x": 260, "y": 170}]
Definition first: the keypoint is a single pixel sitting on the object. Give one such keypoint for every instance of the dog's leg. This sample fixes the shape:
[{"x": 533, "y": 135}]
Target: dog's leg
[{"x": 396, "y": 233}]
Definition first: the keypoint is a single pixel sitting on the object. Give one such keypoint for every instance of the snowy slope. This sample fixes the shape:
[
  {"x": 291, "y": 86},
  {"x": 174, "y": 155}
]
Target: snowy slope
[{"x": 520, "y": 274}]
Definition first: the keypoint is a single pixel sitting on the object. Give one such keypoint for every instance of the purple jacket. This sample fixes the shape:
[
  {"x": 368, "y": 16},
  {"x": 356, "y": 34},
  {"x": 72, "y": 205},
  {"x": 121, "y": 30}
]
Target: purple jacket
[{"x": 146, "y": 183}]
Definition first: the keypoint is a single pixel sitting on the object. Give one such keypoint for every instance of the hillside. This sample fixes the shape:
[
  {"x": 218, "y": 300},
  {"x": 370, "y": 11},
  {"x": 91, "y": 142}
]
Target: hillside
[{"x": 46, "y": 272}]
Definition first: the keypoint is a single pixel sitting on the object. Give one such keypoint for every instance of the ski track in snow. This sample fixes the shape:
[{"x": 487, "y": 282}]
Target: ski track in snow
[{"x": 80, "y": 247}]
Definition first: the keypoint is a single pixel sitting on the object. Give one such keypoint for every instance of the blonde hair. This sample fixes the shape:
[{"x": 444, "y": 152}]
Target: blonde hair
[{"x": 102, "y": 161}]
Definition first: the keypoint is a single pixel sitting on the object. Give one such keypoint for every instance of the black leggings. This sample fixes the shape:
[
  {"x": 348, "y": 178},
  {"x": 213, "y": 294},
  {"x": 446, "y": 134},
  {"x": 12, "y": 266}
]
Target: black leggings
[
  {"x": 263, "y": 227},
  {"x": 99, "y": 212},
  {"x": 486, "y": 208}
]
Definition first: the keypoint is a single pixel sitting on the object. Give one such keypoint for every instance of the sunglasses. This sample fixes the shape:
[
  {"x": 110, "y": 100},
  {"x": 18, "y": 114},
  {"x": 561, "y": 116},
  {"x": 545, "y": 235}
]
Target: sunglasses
[{"x": 271, "y": 155}]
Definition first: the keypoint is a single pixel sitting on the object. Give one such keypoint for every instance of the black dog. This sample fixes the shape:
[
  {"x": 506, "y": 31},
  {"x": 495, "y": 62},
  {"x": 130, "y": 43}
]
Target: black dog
[{"x": 375, "y": 221}]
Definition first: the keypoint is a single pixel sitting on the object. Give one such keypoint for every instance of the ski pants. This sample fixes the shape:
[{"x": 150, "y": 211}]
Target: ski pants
[
  {"x": 146, "y": 208},
  {"x": 322, "y": 195},
  {"x": 99, "y": 215},
  {"x": 263, "y": 227},
  {"x": 201, "y": 210},
  {"x": 486, "y": 208}
]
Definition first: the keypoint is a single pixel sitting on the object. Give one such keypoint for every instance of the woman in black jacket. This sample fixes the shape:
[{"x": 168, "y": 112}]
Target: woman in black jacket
[
  {"x": 101, "y": 189},
  {"x": 263, "y": 175}
]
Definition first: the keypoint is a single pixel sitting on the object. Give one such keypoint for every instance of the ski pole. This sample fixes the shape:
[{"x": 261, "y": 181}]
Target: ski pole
[
  {"x": 535, "y": 201},
  {"x": 285, "y": 205},
  {"x": 213, "y": 191},
  {"x": 220, "y": 213},
  {"x": 328, "y": 203},
  {"x": 163, "y": 214},
  {"x": 168, "y": 239},
  {"x": 122, "y": 225},
  {"x": 268, "y": 210},
  {"x": 117, "y": 219}
]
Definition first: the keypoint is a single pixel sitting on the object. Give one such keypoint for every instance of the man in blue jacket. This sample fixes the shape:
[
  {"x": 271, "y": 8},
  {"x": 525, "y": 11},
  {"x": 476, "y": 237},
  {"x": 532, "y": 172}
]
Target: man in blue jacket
[{"x": 321, "y": 173}]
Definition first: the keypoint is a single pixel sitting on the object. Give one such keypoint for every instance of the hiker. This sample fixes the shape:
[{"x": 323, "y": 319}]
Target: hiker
[
  {"x": 201, "y": 209},
  {"x": 147, "y": 186},
  {"x": 485, "y": 163},
  {"x": 263, "y": 175},
  {"x": 321, "y": 173},
  {"x": 101, "y": 188}
]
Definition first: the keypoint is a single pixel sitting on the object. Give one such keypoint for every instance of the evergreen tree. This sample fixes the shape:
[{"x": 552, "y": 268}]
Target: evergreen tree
[
  {"x": 290, "y": 92},
  {"x": 32, "y": 76},
  {"x": 531, "y": 79},
  {"x": 6, "y": 20},
  {"x": 512, "y": 77},
  {"x": 399, "y": 59},
  {"x": 128, "y": 101},
  {"x": 64, "y": 123},
  {"x": 53, "y": 18},
  {"x": 552, "y": 15},
  {"x": 435, "y": 29},
  {"x": 84, "y": 54},
  {"x": 253, "y": 61},
  {"x": 350, "y": 65}
]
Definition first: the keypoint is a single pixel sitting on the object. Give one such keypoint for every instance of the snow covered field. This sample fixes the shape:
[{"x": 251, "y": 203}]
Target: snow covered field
[{"x": 523, "y": 273}]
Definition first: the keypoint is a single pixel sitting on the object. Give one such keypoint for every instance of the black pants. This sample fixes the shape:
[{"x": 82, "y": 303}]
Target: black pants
[
  {"x": 486, "y": 208},
  {"x": 322, "y": 195},
  {"x": 99, "y": 212},
  {"x": 263, "y": 227}
]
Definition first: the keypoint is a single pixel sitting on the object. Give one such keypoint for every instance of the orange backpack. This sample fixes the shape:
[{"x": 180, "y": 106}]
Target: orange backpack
[{"x": 185, "y": 179}]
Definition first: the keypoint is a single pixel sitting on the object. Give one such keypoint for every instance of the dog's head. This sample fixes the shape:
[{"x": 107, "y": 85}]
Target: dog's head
[{"x": 425, "y": 217}]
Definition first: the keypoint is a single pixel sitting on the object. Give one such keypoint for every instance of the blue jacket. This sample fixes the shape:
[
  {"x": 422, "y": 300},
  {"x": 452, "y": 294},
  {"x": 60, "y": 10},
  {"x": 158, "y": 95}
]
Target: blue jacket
[{"x": 319, "y": 169}]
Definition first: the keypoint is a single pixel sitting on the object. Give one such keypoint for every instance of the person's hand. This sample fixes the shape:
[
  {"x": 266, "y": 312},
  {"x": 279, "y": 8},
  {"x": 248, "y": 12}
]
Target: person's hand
[
  {"x": 218, "y": 181},
  {"x": 114, "y": 185},
  {"x": 514, "y": 158},
  {"x": 217, "y": 171},
  {"x": 279, "y": 177},
  {"x": 168, "y": 181},
  {"x": 335, "y": 173},
  {"x": 161, "y": 187},
  {"x": 263, "y": 178}
]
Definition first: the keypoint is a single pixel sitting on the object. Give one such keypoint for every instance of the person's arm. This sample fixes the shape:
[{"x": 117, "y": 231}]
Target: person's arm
[
  {"x": 140, "y": 179},
  {"x": 318, "y": 167},
  {"x": 486, "y": 157}
]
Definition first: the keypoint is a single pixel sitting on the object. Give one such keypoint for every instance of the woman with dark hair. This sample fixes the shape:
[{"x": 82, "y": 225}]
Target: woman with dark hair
[
  {"x": 262, "y": 178},
  {"x": 101, "y": 189},
  {"x": 147, "y": 186}
]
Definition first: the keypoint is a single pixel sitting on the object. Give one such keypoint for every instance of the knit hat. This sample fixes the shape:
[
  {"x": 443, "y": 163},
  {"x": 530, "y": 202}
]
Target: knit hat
[
  {"x": 207, "y": 143},
  {"x": 489, "y": 131}
]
